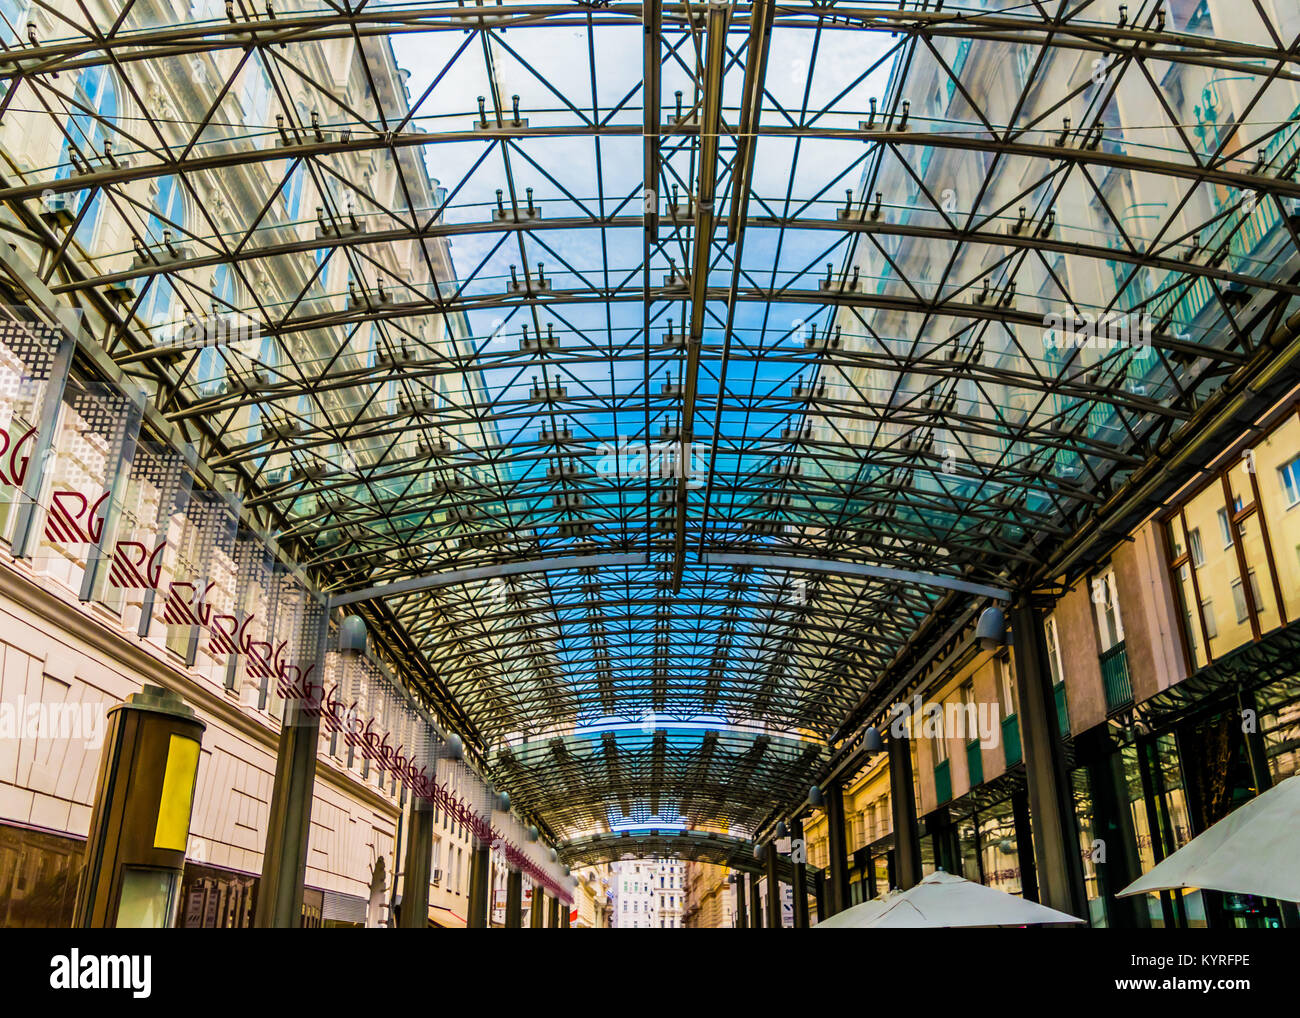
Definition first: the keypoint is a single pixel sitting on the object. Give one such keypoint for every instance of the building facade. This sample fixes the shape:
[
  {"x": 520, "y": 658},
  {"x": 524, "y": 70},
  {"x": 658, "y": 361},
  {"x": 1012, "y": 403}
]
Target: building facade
[
  {"x": 648, "y": 893},
  {"x": 62, "y": 649},
  {"x": 710, "y": 897},
  {"x": 1177, "y": 696},
  {"x": 1172, "y": 654}
]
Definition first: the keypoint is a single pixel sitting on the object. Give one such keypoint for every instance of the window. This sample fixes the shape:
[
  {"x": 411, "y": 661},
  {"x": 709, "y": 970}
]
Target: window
[
  {"x": 1225, "y": 529},
  {"x": 1290, "y": 472},
  {"x": 255, "y": 95},
  {"x": 94, "y": 113},
  {"x": 1239, "y": 601},
  {"x": 168, "y": 218},
  {"x": 1105, "y": 600},
  {"x": 12, "y": 18},
  {"x": 941, "y": 738},
  {"x": 970, "y": 713},
  {"x": 1006, "y": 686},
  {"x": 1207, "y": 611},
  {"x": 1194, "y": 540},
  {"x": 1053, "y": 651}
]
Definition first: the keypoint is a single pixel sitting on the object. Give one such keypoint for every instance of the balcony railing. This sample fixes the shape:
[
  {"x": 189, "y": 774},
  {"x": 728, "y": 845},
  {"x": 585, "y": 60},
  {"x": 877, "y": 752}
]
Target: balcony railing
[
  {"x": 974, "y": 763},
  {"x": 1115, "y": 677},
  {"x": 942, "y": 782}
]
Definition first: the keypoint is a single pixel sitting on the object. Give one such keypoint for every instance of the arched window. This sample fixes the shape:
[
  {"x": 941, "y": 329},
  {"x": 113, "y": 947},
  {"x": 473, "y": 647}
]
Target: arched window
[
  {"x": 293, "y": 188},
  {"x": 13, "y": 15},
  {"x": 211, "y": 365},
  {"x": 94, "y": 113},
  {"x": 255, "y": 93},
  {"x": 168, "y": 215}
]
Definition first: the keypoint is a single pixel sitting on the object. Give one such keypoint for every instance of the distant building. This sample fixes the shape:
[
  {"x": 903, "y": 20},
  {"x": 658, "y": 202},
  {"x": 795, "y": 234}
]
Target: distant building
[
  {"x": 710, "y": 897},
  {"x": 593, "y": 898},
  {"x": 648, "y": 893}
]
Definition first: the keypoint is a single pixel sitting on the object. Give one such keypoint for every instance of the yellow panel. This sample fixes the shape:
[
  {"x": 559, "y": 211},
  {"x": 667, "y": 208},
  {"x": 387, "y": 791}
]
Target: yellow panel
[{"x": 173, "y": 830}]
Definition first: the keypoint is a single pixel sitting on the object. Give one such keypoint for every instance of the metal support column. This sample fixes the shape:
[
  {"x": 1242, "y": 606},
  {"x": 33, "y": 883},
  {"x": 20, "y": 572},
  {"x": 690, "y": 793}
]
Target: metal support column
[
  {"x": 838, "y": 896},
  {"x": 755, "y": 902},
  {"x": 566, "y": 914},
  {"x": 479, "y": 888},
  {"x": 553, "y": 919},
  {"x": 738, "y": 881},
  {"x": 773, "y": 888},
  {"x": 419, "y": 861},
  {"x": 284, "y": 858},
  {"x": 537, "y": 912},
  {"x": 514, "y": 900},
  {"x": 1056, "y": 843},
  {"x": 1024, "y": 844},
  {"x": 799, "y": 858},
  {"x": 902, "y": 804}
]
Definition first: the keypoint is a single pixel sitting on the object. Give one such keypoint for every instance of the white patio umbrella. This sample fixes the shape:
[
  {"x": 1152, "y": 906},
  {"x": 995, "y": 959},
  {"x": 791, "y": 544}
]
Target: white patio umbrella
[
  {"x": 1255, "y": 849},
  {"x": 856, "y": 917},
  {"x": 945, "y": 900}
]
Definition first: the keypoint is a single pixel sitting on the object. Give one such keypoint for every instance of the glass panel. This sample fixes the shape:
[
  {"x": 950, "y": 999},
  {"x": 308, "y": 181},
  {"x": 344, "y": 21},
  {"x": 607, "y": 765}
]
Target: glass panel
[
  {"x": 38, "y": 878},
  {"x": 148, "y": 899},
  {"x": 1083, "y": 812},
  {"x": 968, "y": 846},
  {"x": 998, "y": 848}
]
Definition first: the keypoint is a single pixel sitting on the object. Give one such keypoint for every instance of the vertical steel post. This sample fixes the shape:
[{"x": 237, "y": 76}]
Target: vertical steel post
[
  {"x": 514, "y": 900},
  {"x": 1056, "y": 843},
  {"x": 284, "y": 859},
  {"x": 837, "y": 838},
  {"x": 773, "y": 888},
  {"x": 480, "y": 888},
  {"x": 419, "y": 862},
  {"x": 799, "y": 859},
  {"x": 902, "y": 804}
]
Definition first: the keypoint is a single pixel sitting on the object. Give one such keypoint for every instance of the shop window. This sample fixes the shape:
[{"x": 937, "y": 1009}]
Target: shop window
[
  {"x": 216, "y": 899},
  {"x": 999, "y": 850},
  {"x": 38, "y": 878}
]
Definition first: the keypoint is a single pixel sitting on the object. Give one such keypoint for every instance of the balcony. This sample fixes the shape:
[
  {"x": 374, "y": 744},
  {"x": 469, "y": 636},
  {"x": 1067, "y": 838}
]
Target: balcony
[
  {"x": 942, "y": 782},
  {"x": 1011, "y": 740},
  {"x": 974, "y": 763},
  {"x": 1115, "y": 678}
]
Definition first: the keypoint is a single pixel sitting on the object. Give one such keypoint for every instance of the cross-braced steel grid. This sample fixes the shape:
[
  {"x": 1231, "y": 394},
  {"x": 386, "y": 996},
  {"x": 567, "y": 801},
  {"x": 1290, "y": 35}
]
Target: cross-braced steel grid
[{"x": 818, "y": 300}]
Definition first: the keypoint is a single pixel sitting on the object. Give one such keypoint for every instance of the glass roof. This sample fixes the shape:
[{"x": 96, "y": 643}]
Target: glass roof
[{"x": 870, "y": 309}]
